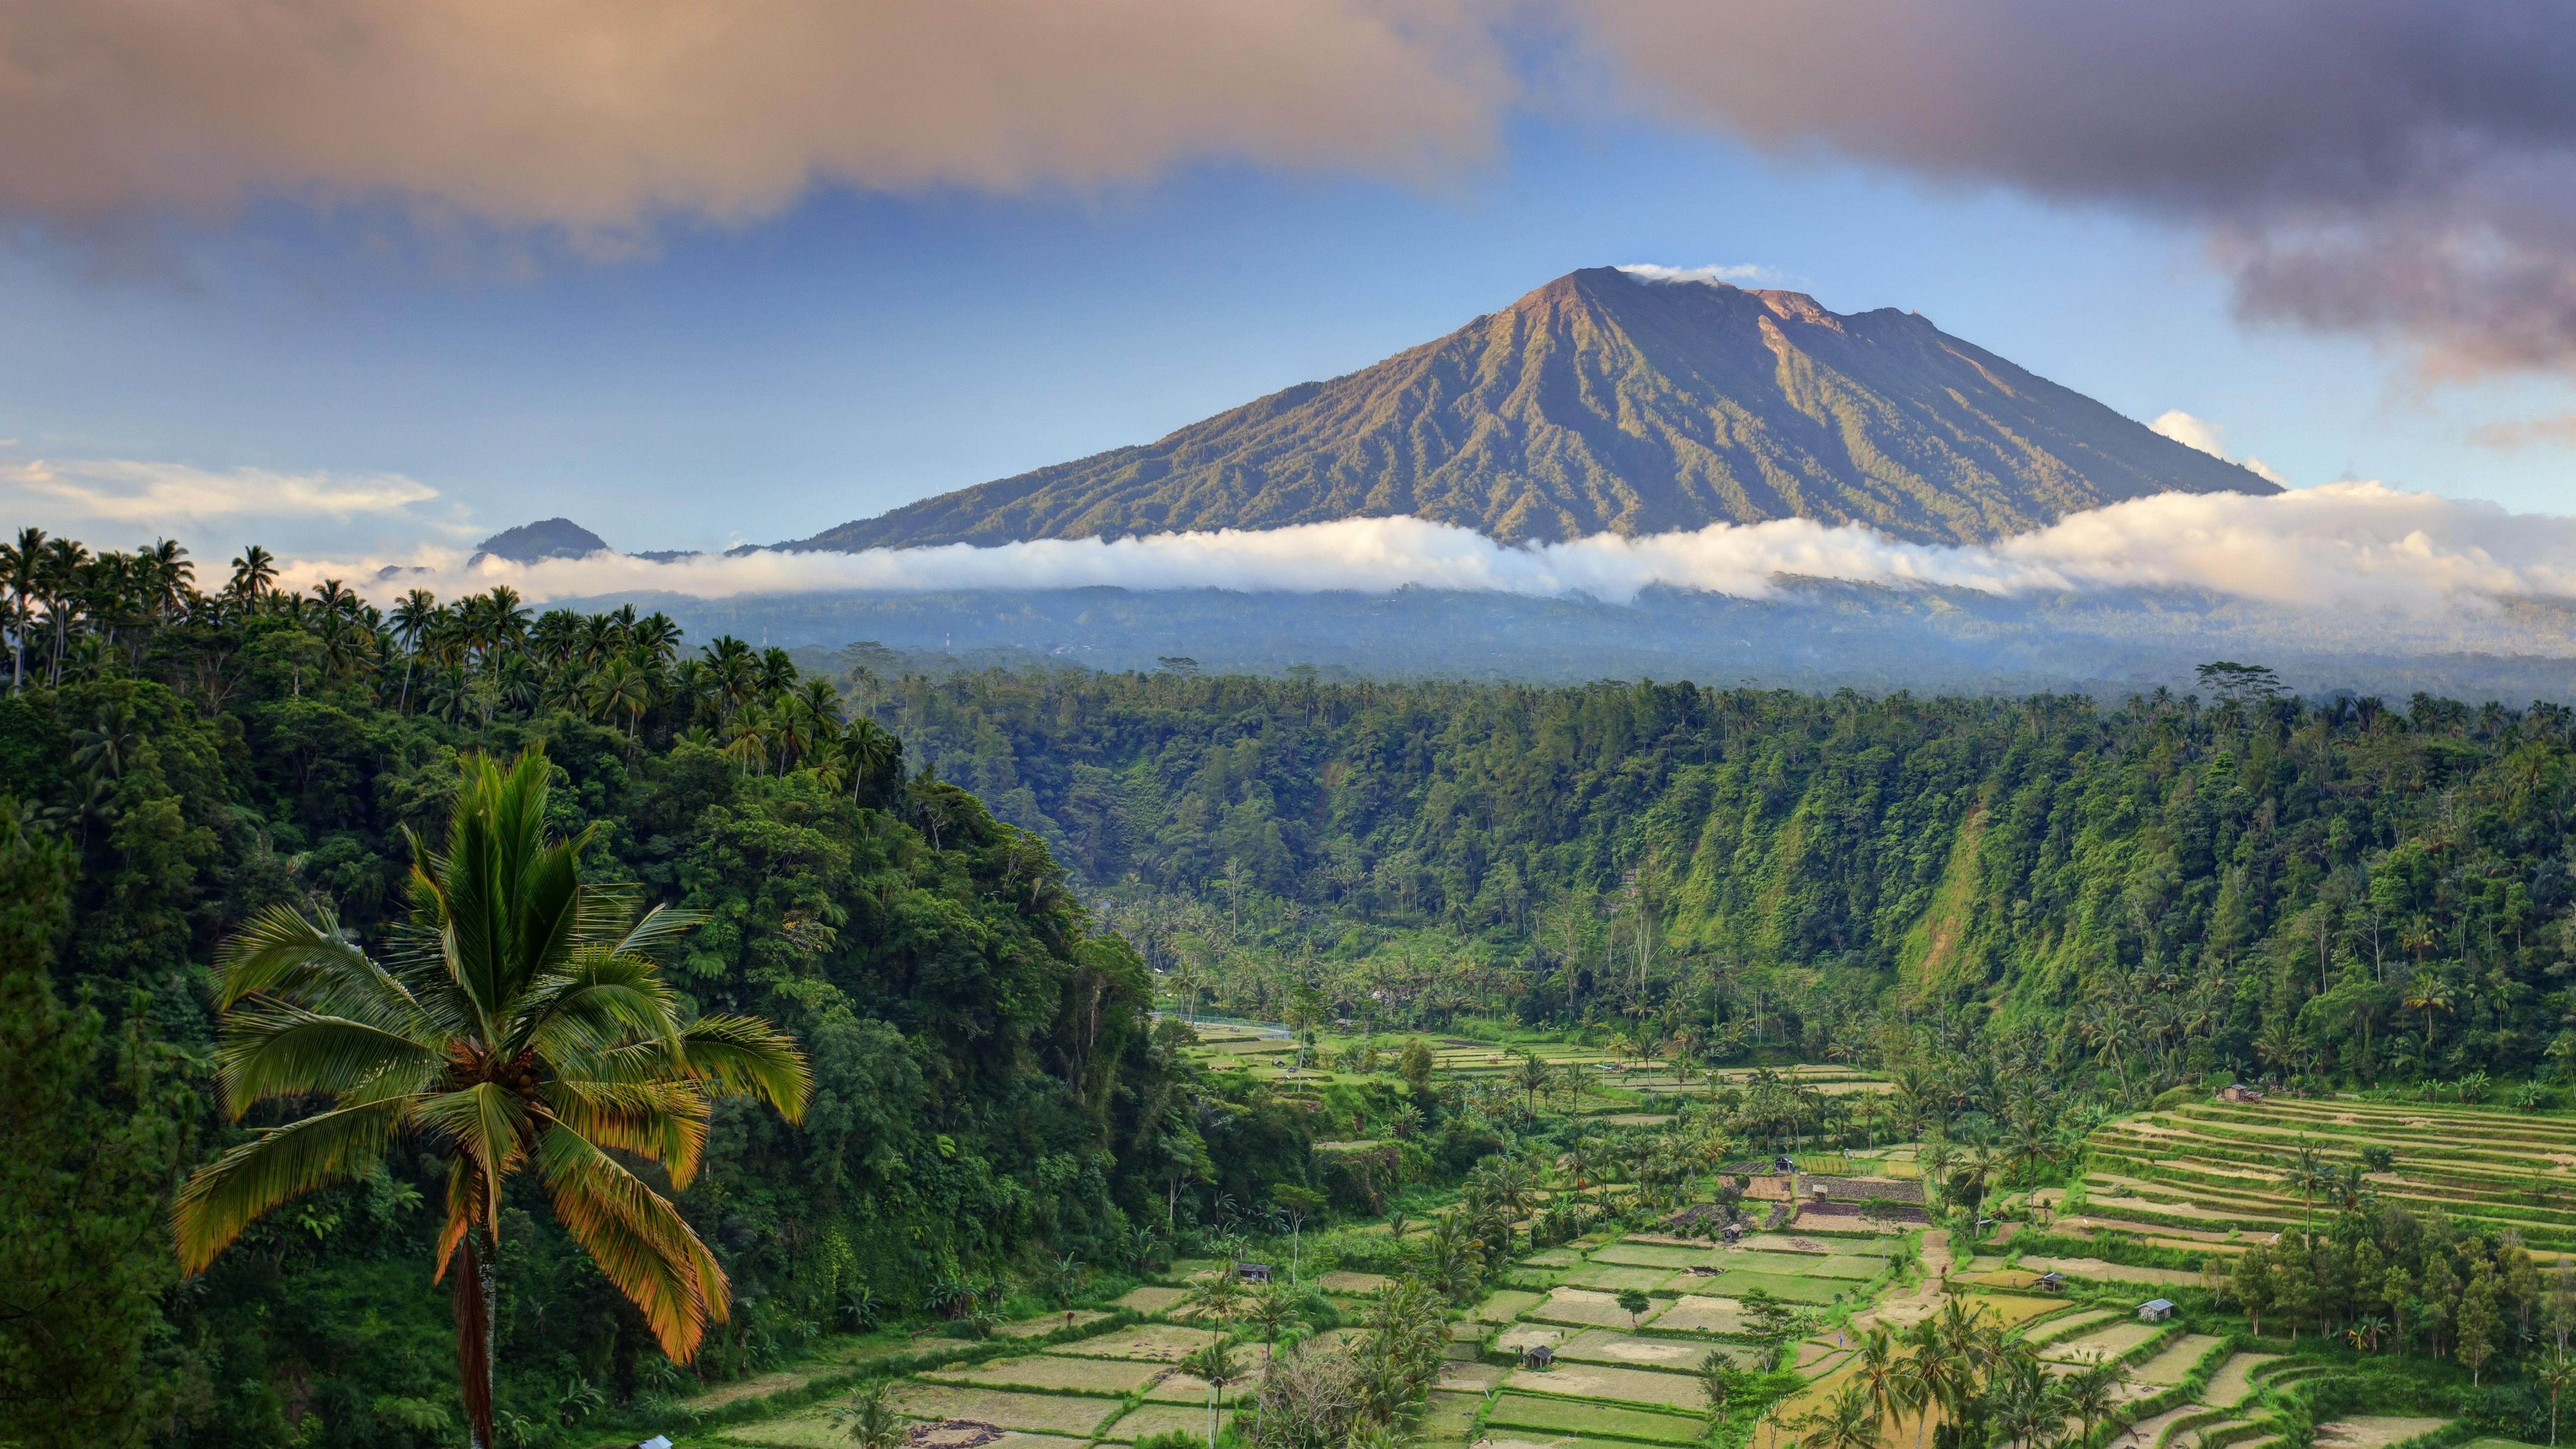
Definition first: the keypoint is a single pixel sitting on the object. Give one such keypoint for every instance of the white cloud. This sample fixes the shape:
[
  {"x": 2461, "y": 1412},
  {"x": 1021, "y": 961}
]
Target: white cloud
[
  {"x": 2203, "y": 434},
  {"x": 2350, "y": 547},
  {"x": 1736, "y": 274},
  {"x": 163, "y": 495}
]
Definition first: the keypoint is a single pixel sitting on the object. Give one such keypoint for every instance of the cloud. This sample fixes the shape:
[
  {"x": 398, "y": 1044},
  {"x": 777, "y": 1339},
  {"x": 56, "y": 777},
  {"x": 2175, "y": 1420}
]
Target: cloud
[
  {"x": 2390, "y": 167},
  {"x": 2200, "y": 433},
  {"x": 1737, "y": 274},
  {"x": 2356, "y": 548},
  {"x": 2558, "y": 430},
  {"x": 2395, "y": 168},
  {"x": 163, "y": 494},
  {"x": 601, "y": 116}
]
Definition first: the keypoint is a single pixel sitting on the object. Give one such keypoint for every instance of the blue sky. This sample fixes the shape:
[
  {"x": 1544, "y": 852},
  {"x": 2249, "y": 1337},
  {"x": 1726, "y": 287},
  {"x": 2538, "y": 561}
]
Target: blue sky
[{"x": 766, "y": 379}]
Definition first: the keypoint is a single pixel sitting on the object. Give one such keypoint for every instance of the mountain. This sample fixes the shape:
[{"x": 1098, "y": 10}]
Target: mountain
[
  {"x": 547, "y": 538},
  {"x": 1608, "y": 402}
]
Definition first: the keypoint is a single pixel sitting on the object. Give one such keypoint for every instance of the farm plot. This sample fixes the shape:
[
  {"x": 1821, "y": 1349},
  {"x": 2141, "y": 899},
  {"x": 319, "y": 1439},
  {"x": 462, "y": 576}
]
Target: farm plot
[
  {"x": 1151, "y": 1342},
  {"x": 1848, "y": 1266},
  {"x": 1700, "y": 1313},
  {"x": 1507, "y": 1304},
  {"x": 2009, "y": 1310},
  {"x": 1615, "y": 1278},
  {"x": 1051, "y": 1374},
  {"x": 1154, "y": 1300},
  {"x": 1044, "y": 1324},
  {"x": 2070, "y": 1324},
  {"x": 2207, "y": 1166},
  {"x": 1041, "y": 1413},
  {"x": 1470, "y": 1377},
  {"x": 1579, "y": 1305},
  {"x": 1524, "y": 1412},
  {"x": 1781, "y": 1286},
  {"x": 1632, "y": 1254},
  {"x": 2233, "y": 1384},
  {"x": 1602, "y": 1345},
  {"x": 2374, "y": 1431},
  {"x": 1785, "y": 1264},
  {"x": 2176, "y": 1360},
  {"x": 1602, "y": 1381},
  {"x": 1448, "y": 1418},
  {"x": 815, "y": 1428},
  {"x": 1185, "y": 1389},
  {"x": 1147, "y": 1420},
  {"x": 2100, "y": 1345}
]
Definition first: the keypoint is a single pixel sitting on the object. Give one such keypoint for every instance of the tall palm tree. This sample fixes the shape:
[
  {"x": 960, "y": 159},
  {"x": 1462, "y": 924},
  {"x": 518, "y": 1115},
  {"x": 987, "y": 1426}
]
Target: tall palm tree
[
  {"x": 253, "y": 572},
  {"x": 1216, "y": 1364},
  {"x": 520, "y": 1023}
]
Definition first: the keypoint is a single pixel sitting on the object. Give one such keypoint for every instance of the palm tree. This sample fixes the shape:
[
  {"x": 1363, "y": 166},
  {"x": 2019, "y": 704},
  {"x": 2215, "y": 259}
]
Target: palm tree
[
  {"x": 253, "y": 572},
  {"x": 2092, "y": 1392},
  {"x": 2555, "y": 1370},
  {"x": 872, "y": 1418},
  {"x": 1533, "y": 1076},
  {"x": 1214, "y": 1363},
  {"x": 1850, "y": 1421},
  {"x": 520, "y": 1023}
]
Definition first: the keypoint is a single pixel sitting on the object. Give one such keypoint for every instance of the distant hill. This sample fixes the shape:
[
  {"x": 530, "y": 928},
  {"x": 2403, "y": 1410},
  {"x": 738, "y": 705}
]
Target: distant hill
[
  {"x": 544, "y": 539},
  {"x": 1606, "y": 402}
]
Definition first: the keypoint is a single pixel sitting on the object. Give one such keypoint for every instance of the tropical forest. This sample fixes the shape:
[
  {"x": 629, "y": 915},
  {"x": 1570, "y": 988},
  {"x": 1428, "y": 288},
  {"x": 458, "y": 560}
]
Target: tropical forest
[{"x": 466, "y": 1022}]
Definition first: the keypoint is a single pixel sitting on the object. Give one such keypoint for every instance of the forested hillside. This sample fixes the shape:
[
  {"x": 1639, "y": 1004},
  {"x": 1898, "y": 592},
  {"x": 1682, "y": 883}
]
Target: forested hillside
[
  {"x": 987, "y": 1093},
  {"x": 2375, "y": 891}
]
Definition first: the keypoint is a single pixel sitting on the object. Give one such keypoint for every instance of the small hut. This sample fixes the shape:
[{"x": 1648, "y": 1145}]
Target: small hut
[
  {"x": 2155, "y": 1310},
  {"x": 1257, "y": 1273}
]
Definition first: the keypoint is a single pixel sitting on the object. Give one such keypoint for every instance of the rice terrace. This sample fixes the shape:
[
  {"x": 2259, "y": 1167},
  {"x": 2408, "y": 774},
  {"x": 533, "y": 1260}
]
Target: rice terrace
[{"x": 2222, "y": 1269}]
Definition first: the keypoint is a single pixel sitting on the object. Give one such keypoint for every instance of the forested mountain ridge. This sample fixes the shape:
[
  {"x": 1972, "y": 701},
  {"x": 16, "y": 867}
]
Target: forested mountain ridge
[
  {"x": 987, "y": 1092},
  {"x": 2175, "y": 885},
  {"x": 1607, "y": 402}
]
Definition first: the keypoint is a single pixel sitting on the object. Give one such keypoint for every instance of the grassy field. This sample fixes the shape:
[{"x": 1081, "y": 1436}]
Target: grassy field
[{"x": 1523, "y": 1411}]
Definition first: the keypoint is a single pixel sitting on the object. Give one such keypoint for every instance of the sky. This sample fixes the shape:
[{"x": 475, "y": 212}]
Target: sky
[{"x": 737, "y": 284}]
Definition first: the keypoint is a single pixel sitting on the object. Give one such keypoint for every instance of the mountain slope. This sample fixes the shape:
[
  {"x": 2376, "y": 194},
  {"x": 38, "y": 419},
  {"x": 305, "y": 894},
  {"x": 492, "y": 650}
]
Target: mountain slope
[
  {"x": 1603, "y": 402},
  {"x": 544, "y": 539}
]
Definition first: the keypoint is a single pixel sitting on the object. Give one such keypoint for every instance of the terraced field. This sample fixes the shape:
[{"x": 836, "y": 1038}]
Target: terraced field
[{"x": 2207, "y": 1176}]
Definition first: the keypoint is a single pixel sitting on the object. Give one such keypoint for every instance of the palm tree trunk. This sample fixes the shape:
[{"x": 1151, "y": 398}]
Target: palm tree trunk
[{"x": 473, "y": 1287}]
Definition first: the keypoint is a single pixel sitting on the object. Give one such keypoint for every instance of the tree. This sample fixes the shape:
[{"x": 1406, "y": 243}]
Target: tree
[
  {"x": 871, "y": 1417},
  {"x": 1719, "y": 1383},
  {"x": 1299, "y": 1203},
  {"x": 2555, "y": 1369},
  {"x": 1216, "y": 1364},
  {"x": 1415, "y": 1066},
  {"x": 520, "y": 1024},
  {"x": 83, "y": 1174},
  {"x": 1770, "y": 1320},
  {"x": 1533, "y": 1076},
  {"x": 2252, "y": 1285},
  {"x": 1848, "y": 1421},
  {"x": 1634, "y": 1304},
  {"x": 2480, "y": 1330}
]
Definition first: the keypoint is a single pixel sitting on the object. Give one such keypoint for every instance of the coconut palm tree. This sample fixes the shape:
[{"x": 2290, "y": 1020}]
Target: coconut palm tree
[
  {"x": 871, "y": 1418},
  {"x": 519, "y": 1024},
  {"x": 1216, "y": 1364}
]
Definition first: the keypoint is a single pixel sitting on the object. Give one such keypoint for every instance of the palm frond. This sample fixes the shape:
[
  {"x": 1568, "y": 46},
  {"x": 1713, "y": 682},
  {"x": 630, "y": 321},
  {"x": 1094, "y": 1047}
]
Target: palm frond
[
  {"x": 665, "y": 1121},
  {"x": 597, "y": 1001},
  {"x": 287, "y": 1051},
  {"x": 638, "y": 1239},
  {"x": 487, "y": 1126},
  {"x": 281, "y": 953},
  {"x": 745, "y": 1056},
  {"x": 280, "y": 1164},
  {"x": 654, "y": 934}
]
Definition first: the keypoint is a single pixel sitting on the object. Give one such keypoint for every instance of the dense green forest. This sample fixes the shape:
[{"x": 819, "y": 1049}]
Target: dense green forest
[
  {"x": 2179, "y": 885},
  {"x": 988, "y": 1093}
]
